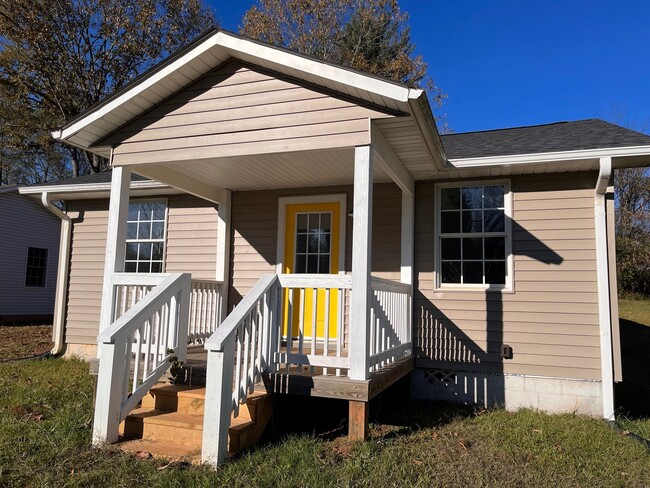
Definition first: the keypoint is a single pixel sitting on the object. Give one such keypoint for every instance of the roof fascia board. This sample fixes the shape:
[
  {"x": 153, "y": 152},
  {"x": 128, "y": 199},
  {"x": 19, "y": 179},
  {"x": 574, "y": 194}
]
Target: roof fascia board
[
  {"x": 235, "y": 45},
  {"x": 8, "y": 188},
  {"x": 138, "y": 88},
  {"x": 549, "y": 157},
  {"x": 89, "y": 187},
  {"x": 428, "y": 130}
]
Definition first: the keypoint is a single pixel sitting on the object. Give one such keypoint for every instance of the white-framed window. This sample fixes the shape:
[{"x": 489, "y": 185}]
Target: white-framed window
[
  {"x": 473, "y": 235},
  {"x": 35, "y": 271},
  {"x": 146, "y": 229}
]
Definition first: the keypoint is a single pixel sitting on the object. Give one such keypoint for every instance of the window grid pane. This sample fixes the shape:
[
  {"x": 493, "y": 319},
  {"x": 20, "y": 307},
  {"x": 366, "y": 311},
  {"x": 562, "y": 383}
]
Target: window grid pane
[
  {"x": 36, "y": 267},
  {"x": 313, "y": 243},
  {"x": 145, "y": 240},
  {"x": 473, "y": 235}
]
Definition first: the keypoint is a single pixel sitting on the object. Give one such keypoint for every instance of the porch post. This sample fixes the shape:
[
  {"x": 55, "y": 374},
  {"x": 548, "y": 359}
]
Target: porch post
[
  {"x": 223, "y": 251},
  {"x": 114, "y": 260},
  {"x": 407, "y": 238},
  {"x": 361, "y": 258}
]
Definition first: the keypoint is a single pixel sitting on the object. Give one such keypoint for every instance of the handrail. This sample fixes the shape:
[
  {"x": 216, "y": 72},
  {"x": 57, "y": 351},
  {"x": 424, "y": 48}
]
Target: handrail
[
  {"x": 135, "y": 351},
  {"x": 315, "y": 281},
  {"x": 128, "y": 322},
  {"x": 229, "y": 326},
  {"x": 383, "y": 284},
  {"x": 140, "y": 279}
]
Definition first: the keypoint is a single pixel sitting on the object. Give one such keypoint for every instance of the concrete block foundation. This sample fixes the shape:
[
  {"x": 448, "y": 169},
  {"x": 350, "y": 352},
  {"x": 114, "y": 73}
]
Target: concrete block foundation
[{"x": 553, "y": 395}]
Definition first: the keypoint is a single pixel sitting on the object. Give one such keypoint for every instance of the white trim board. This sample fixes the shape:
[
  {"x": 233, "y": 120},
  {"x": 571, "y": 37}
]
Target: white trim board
[
  {"x": 548, "y": 157},
  {"x": 340, "y": 198}
]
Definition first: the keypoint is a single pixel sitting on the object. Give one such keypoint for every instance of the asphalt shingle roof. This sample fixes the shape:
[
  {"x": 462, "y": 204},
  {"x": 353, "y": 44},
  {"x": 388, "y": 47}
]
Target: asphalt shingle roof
[{"x": 560, "y": 136}]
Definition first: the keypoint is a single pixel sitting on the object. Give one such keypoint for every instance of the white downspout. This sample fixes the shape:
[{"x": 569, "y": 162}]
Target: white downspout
[
  {"x": 602, "y": 272},
  {"x": 61, "y": 293}
]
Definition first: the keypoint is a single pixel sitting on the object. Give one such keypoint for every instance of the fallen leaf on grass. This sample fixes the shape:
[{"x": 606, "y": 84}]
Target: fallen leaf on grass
[
  {"x": 465, "y": 443},
  {"x": 537, "y": 431}
]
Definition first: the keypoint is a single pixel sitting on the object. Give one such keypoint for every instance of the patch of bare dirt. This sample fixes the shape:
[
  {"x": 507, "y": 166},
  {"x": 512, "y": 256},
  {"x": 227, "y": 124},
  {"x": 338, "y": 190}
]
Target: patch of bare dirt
[{"x": 24, "y": 341}]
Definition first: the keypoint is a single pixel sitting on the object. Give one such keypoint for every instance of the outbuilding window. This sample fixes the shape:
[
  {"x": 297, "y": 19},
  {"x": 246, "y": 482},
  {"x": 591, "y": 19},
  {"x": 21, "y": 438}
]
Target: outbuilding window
[
  {"x": 36, "y": 267},
  {"x": 473, "y": 236},
  {"x": 145, "y": 237}
]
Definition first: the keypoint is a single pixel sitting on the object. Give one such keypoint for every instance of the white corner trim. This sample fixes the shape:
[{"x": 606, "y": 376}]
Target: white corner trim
[
  {"x": 602, "y": 274},
  {"x": 283, "y": 202},
  {"x": 548, "y": 157}
]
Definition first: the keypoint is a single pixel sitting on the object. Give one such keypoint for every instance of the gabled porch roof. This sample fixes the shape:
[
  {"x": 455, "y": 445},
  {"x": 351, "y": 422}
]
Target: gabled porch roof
[{"x": 407, "y": 125}]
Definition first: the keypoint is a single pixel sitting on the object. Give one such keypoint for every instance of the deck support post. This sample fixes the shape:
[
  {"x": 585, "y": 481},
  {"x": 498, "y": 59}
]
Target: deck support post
[
  {"x": 115, "y": 241},
  {"x": 358, "y": 421},
  {"x": 361, "y": 259},
  {"x": 223, "y": 251}
]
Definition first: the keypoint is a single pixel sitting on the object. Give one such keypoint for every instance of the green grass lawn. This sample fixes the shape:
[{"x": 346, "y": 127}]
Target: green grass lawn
[
  {"x": 633, "y": 394},
  {"x": 45, "y": 428}
]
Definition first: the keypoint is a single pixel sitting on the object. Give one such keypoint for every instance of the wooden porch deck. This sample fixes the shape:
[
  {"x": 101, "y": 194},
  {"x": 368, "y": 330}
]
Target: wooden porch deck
[{"x": 308, "y": 380}]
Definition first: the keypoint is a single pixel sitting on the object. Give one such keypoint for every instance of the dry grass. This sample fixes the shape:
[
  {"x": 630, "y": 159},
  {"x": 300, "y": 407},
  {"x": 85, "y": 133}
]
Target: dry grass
[{"x": 24, "y": 341}]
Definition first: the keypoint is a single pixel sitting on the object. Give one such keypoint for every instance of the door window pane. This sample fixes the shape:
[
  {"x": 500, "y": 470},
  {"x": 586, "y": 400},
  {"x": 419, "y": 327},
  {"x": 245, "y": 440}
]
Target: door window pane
[{"x": 313, "y": 242}]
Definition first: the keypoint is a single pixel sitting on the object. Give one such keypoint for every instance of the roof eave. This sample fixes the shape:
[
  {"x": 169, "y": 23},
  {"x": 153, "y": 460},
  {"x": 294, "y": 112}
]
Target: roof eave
[
  {"x": 69, "y": 191},
  {"x": 549, "y": 157}
]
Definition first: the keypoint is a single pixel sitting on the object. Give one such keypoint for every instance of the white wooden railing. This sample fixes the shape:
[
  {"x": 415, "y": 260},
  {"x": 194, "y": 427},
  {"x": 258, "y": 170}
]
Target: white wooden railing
[
  {"x": 241, "y": 346},
  {"x": 206, "y": 309},
  {"x": 205, "y": 304},
  {"x": 390, "y": 337},
  {"x": 136, "y": 349},
  {"x": 305, "y": 297},
  {"x": 295, "y": 320}
]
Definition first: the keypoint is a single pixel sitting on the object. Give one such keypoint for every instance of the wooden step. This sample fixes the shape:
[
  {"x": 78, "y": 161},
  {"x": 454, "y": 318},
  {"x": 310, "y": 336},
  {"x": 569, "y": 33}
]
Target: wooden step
[
  {"x": 175, "y": 398},
  {"x": 172, "y": 414}
]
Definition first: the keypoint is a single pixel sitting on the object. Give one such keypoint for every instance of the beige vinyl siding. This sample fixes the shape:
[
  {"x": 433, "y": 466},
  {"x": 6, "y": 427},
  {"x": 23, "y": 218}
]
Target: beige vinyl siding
[
  {"x": 238, "y": 110},
  {"x": 191, "y": 247},
  {"x": 255, "y": 233},
  {"x": 89, "y": 226},
  {"x": 26, "y": 223},
  {"x": 551, "y": 317}
]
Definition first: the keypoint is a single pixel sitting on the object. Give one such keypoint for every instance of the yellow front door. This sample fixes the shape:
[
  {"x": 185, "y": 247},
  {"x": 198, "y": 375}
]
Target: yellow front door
[{"x": 312, "y": 246}]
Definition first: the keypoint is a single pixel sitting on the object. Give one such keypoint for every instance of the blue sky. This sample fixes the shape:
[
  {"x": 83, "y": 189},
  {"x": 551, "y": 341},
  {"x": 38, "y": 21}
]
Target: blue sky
[{"x": 513, "y": 63}]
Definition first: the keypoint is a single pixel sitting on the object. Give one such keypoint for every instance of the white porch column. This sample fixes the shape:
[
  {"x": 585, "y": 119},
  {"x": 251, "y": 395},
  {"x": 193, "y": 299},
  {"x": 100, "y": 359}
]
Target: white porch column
[
  {"x": 406, "y": 259},
  {"x": 361, "y": 258},
  {"x": 114, "y": 262},
  {"x": 223, "y": 251}
]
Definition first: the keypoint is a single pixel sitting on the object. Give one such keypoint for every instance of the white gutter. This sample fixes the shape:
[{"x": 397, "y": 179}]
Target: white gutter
[
  {"x": 602, "y": 272},
  {"x": 549, "y": 157},
  {"x": 61, "y": 275}
]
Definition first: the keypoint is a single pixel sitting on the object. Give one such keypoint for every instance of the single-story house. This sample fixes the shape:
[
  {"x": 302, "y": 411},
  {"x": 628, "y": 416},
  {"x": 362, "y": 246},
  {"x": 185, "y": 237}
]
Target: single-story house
[
  {"x": 309, "y": 226},
  {"x": 29, "y": 249}
]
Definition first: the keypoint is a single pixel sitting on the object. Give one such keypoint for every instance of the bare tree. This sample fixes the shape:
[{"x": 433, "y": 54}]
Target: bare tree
[{"x": 59, "y": 57}]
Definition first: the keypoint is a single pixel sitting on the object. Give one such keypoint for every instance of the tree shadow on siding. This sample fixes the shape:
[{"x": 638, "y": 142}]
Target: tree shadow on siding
[{"x": 451, "y": 363}]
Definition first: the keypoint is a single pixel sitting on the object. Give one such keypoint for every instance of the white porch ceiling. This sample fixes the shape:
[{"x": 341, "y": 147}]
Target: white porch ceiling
[{"x": 274, "y": 171}]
